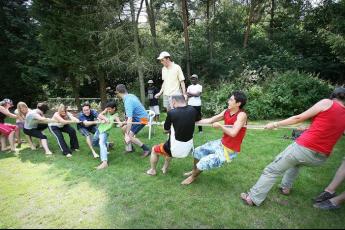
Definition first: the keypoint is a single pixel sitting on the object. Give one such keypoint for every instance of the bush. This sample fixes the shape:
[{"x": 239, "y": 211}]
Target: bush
[{"x": 281, "y": 95}]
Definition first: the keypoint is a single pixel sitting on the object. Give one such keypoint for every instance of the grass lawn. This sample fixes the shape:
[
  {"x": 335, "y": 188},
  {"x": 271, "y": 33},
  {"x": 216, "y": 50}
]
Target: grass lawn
[{"x": 38, "y": 191}]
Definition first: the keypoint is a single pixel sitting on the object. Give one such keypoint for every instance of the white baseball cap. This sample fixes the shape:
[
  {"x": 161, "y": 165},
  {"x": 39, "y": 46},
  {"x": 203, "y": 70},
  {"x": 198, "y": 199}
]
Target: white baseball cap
[
  {"x": 163, "y": 55},
  {"x": 150, "y": 82}
]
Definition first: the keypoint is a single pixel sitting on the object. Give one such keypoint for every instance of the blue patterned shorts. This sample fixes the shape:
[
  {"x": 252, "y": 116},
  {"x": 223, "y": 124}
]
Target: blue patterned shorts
[{"x": 213, "y": 155}]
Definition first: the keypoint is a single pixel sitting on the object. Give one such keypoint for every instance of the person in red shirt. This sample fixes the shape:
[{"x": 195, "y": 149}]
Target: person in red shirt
[
  {"x": 312, "y": 148},
  {"x": 215, "y": 153}
]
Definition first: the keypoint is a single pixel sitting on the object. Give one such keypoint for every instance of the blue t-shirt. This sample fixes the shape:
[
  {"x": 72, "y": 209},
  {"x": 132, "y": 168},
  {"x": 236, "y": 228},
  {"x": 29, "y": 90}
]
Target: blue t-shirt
[
  {"x": 134, "y": 108},
  {"x": 82, "y": 117}
]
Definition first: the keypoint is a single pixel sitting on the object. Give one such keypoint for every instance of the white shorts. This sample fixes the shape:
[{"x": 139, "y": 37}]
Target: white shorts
[
  {"x": 155, "y": 109},
  {"x": 180, "y": 149}
]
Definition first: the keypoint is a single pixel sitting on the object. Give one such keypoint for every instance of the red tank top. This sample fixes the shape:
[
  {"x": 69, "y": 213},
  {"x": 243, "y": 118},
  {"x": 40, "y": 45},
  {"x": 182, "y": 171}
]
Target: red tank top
[
  {"x": 325, "y": 130},
  {"x": 233, "y": 143}
]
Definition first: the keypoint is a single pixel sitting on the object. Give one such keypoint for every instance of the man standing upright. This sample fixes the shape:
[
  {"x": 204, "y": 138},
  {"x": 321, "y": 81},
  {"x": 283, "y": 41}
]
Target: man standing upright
[
  {"x": 194, "y": 91},
  {"x": 173, "y": 80},
  {"x": 153, "y": 102}
]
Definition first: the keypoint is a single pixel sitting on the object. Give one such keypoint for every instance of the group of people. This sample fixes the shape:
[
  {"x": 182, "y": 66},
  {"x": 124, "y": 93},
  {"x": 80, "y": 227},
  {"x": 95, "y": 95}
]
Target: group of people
[{"x": 183, "y": 106}]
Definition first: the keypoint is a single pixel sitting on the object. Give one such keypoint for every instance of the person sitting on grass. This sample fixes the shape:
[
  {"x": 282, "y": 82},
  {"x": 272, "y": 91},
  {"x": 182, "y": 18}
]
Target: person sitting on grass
[
  {"x": 21, "y": 112},
  {"x": 35, "y": 123},
  {"x": 7, "y": 131},
  {"x": 65, "y": 119},
  {"x": 100, "y": 139},
  {"x": 215, "y": 153},
  {"x": 328, "y": 199},
  {"x": 312, "y": 148},
  {"x": 180, "y": 122},
  {"x": 88, "y": 125}
]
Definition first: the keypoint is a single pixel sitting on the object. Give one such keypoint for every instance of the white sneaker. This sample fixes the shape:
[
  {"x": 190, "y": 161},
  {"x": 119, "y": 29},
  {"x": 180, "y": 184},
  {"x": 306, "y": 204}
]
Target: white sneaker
[{"x": 69, "y": 155}]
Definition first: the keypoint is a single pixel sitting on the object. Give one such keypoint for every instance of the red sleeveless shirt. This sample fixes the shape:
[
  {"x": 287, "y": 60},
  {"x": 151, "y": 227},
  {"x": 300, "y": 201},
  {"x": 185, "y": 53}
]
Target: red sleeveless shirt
[
  {"x": 233, "y": 143},
  {"x": 325, "y": 130}
]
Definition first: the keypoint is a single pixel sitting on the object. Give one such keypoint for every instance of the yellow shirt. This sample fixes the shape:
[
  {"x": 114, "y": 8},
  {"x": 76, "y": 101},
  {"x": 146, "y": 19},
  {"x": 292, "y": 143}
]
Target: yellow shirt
[{"x": 172, "y": 77}]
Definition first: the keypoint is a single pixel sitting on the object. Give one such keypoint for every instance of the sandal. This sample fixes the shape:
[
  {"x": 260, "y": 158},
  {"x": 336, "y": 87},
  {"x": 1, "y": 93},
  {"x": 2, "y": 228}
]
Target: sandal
[
  {"x": 246, "y": 199},
  {"x": 285, "y": 191}
]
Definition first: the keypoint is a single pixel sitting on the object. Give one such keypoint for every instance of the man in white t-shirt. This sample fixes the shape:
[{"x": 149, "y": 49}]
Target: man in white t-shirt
[
  {"x": 173, "y": 80},
  {"x": 194, "y": 91}
]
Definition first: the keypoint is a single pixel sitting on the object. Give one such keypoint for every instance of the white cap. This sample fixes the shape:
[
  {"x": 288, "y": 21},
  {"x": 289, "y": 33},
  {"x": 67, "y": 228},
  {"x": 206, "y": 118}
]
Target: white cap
[
  {"x": 150, "y": 82},
  {"x": 163, "y": 55}
]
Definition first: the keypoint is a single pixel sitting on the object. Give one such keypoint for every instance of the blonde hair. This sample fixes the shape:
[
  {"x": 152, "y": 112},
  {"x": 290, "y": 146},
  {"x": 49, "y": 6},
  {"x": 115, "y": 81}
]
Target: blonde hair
[
  {"x": 21, "y": 105},
  {"x": 61, "y": 108}
]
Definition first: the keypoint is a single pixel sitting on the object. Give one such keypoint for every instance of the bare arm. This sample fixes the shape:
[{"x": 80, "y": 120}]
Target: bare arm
[
  {"x": 239, "y": 124},
  {"x": 160, "y": 92},
  {"x": 211, "y": 120},
  {"x": 310, "y": 113},
  {"x": 102, "y": 117},
  {"x": 183, "y": 87},
  {"x": 7, "y": 113}
]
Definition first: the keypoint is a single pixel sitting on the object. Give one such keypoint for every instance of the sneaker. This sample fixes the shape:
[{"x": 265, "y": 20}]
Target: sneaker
[
  {"x": 110, "y": 146},
  {"x": 323, "y": 196},
  {"x": 326, "y": 205},
  {"x": 69, "y": 155}
]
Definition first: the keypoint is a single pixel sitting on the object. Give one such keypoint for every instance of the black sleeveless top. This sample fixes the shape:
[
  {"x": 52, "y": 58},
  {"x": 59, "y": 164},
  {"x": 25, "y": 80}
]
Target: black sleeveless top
[{"x": 2, "y": 118}]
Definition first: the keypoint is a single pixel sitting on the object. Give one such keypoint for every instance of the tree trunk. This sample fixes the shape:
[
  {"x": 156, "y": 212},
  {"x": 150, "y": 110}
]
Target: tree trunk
[
  {"x": 152, "y": 21},
  {"x": 75, "y": 87},
  {"x": 137, "y": 53},
  {"x": 186, "y": 35},
  {"x": 249, "y": 24},
  {"x": 272, "y": 19},
  {"x": 102, "y": 89}
]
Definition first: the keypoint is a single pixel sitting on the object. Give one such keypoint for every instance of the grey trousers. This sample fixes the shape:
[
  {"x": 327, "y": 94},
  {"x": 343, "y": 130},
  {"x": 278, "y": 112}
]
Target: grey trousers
[{"x": 288, "y": 163}]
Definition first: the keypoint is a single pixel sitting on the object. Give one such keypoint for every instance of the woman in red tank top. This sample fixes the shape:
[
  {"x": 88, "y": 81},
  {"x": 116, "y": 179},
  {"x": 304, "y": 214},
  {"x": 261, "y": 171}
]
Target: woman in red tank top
[{"x": 312, "y": 148}]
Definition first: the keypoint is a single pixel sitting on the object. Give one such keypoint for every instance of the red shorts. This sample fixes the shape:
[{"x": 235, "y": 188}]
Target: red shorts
[
  {"x": 7, "y": 129},
  {"x": 159, "y": 149}
]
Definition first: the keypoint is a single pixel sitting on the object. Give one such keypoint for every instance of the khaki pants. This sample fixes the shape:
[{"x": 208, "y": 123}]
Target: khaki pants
[{"x": 288, "y": 162}]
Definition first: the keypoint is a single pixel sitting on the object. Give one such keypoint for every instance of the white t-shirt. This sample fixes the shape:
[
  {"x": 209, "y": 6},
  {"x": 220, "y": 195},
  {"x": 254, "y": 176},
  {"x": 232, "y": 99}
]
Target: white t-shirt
[
  {"x": 194, "y": 89},
  {"x": 172, "y": 78}
]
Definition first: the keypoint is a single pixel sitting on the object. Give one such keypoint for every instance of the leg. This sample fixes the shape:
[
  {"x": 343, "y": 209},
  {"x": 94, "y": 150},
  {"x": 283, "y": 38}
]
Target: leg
[
  {"x": 60, "y": 139},
  {"x": 294, "y": 155},
  {"x": 89, "y": 143},
  {"x": 11, "y": 140},
  {"x": 288, "y": 179},
  {"x": 338, "y": 199},
  {"x": 3, "y": 142},
  {"x": 44, "y": 143},
  {"x": 72, "y": 135},
  {"x": 19, "y": 141},
  {"x": 338, "y": 179},
  {"x": 103, "y": 138},
  {"x": 153, "y": 161},
  {"x": 29, "y": 139},
  {"x": 166, "y": 165}
]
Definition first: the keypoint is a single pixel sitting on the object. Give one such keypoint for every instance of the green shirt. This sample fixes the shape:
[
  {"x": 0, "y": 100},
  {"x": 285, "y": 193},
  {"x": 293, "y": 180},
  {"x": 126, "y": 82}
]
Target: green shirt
[{"x": 102, "y": 128}]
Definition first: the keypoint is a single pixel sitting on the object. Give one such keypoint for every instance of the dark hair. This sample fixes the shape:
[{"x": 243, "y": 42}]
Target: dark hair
[
  {"x": 121, "y": 89},
  {"x": 240, "y": 97},
  {"x": 86, "y": 104},
  {"x": 43, "y": 107},
  {"x": 111, "y": 104},
  {"x": 178, "y": 98},
  {"x": 338, "y": 93}
]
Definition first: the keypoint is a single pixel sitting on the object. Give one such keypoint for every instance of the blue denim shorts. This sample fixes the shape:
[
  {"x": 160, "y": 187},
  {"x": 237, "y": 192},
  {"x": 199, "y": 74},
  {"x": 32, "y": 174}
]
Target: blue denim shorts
[
  {"x": 87, "y": 131},
  {"x": 213, "y": 155},
  {"x": 136, "y": 128}
]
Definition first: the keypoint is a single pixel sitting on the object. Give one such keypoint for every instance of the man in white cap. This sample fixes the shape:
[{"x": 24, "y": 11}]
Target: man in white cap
[
  {"x": 173, "y": 80},
  {"x": 153, "y": 102}
]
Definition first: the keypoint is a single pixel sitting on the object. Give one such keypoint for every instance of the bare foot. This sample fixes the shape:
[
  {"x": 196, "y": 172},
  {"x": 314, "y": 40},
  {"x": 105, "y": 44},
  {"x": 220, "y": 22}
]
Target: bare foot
[
  {"x": 188, "y": 174},
  {"x": 49, "y": 153},
  {"x": 33, "y": 147},
  {"x": 95, "y": 155},
  {"x": 164, "y": 170},
  {"x": 151, "y": 172},
  {"x": 102, "y": 166},
  {"x": 188, "y": 181}
]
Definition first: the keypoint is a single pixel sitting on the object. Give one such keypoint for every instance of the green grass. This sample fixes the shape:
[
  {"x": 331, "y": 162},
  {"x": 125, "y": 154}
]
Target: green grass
[{"x": 37, "y": 191}]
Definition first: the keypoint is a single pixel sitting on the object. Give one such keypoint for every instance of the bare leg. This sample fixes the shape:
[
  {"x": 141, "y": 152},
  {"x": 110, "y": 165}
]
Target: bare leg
[
  {"x": 166, "y": 165},
  {"x": 44, "y": 143},
  {"x": 337, "y": 180},
  {"x": 195, "y": 173},
  {"x": 11, "y": 140},
  {"x": 32, "y": 146},
  {"x": 19, "y": 141},
  {"x": 338, "y": 199},
  {"x": 3, "y": 143},
  {"x": 153, "y": 160},
  {"x": 89, "y": 143}
]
